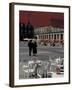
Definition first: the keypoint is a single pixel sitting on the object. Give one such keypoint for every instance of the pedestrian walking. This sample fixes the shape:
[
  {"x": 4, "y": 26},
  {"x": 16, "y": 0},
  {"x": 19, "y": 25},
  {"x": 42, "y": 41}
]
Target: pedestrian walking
[
  {"x": 34, "y": 47},
  {"x": 30, "y": 45}
]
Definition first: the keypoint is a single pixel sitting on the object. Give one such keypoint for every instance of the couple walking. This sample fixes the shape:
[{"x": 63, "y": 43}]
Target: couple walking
[{"x": 32, "y": 44}]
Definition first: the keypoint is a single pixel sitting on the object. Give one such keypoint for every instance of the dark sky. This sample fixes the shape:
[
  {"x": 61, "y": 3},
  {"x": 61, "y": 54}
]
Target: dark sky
[{"x": 38, "y": 19}]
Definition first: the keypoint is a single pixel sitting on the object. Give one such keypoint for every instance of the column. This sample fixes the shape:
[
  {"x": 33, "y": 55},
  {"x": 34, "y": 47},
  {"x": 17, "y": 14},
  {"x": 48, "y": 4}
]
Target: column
[
  {"x": 56, "y": 38},
  {"x": 59, "y": 37},
  {"x": 53, "y": 37},
  {"x": 63, "y": 36}
]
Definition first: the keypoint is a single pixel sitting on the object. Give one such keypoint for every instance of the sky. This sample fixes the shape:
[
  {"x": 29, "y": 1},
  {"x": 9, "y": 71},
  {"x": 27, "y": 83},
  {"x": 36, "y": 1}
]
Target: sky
[{"x": 39, "y": 19}]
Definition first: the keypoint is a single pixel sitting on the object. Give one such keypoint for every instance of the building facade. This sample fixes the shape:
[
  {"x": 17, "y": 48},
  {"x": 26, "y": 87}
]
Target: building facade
[{"x": 49, "y": 35}]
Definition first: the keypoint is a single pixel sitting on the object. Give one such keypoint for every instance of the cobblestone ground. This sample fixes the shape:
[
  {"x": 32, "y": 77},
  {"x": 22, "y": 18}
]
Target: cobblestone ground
[{"x": 45, "y": 54}]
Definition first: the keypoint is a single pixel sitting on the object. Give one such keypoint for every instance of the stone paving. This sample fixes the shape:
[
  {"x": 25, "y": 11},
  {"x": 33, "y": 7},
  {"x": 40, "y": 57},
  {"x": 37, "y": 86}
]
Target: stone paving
[{"x": 44, "y": 65}]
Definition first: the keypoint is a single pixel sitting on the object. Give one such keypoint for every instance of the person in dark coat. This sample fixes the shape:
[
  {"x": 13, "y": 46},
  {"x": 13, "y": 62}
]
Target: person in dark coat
[
  {"x": 34, "y": 47},
  {"x": 30, "y": 45}
]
